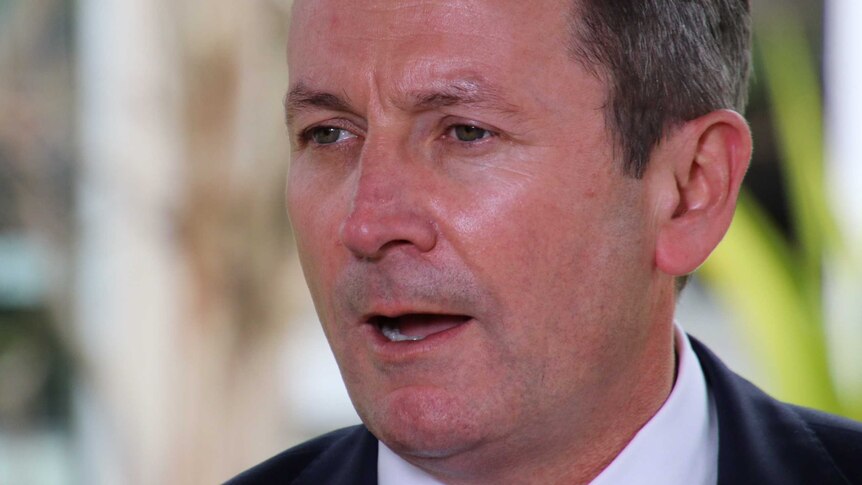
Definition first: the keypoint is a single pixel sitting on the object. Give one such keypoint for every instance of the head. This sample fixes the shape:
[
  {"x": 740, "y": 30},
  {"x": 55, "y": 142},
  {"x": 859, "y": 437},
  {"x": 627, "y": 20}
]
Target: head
[{"x": 465, "y": 176}]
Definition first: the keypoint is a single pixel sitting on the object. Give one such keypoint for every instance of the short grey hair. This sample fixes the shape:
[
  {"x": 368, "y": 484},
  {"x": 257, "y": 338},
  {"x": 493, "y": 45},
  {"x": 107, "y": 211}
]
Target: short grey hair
[{"x": 665, "y": 61}]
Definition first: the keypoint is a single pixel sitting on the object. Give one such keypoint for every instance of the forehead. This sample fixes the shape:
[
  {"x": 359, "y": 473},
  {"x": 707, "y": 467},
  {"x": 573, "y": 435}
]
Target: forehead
[
  {"x": 393, "y": 16},
  {"x": 338, "y": 42}
]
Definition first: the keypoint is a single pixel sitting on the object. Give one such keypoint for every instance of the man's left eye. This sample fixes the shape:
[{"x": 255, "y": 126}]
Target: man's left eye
[
  {"x": 468, "y": 133},
  {"x": 327, "y": 135}
]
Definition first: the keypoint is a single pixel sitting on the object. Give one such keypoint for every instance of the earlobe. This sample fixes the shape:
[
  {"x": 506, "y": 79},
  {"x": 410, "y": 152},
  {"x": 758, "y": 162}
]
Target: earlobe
[{"x": 707, "y": 170}]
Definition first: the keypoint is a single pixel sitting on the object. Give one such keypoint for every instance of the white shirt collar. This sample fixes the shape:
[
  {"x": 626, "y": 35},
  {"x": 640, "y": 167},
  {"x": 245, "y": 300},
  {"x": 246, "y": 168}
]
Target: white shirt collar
[
  {"x": 678, "y": 446},
  {"x": 394, "y": 470}
]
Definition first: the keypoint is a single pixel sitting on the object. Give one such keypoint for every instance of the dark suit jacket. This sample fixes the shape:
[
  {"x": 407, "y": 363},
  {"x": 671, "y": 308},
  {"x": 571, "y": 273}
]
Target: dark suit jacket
[{"x": 761, "y": 441}]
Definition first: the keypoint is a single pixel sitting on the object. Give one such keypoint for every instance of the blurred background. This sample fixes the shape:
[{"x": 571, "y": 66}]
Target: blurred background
[{"x": 154, "y": 324}]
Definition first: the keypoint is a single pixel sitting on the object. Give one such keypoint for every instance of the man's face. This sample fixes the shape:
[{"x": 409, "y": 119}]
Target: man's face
[{"x": 453, "y": 179}]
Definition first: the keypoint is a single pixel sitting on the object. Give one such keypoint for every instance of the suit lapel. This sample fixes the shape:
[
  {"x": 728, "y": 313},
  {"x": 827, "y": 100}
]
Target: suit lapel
[
  {"x": 760, "y": 439},
  {"x": 351, "y": 460}
]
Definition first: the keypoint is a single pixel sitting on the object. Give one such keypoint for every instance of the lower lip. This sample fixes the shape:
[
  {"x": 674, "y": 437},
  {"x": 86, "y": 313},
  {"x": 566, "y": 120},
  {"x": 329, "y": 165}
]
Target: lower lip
[{"x": 389, "y": 350}]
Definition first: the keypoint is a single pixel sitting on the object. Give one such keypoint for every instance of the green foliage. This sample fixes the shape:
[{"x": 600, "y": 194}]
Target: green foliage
[{"x": 773, "y": 284}]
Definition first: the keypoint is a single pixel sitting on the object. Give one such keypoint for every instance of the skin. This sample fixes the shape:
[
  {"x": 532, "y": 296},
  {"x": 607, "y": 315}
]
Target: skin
[{"x": 562, "y": 264}]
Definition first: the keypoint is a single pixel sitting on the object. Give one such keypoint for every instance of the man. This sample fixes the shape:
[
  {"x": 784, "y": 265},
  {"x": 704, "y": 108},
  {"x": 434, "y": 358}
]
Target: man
[{"x": 493, "y": 201}]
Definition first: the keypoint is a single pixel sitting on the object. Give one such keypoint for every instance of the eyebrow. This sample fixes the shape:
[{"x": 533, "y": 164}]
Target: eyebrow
[
  {"x": 469, "y": 92},
  {"x": 460, "y": 92},
  {"x": 302, "y": 98}
]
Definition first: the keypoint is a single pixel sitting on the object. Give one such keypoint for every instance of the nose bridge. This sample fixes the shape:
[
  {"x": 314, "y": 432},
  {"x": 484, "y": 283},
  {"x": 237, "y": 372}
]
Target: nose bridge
[
  {"x": 383, "y": 167},
  {"x": 386, "y": 207}
]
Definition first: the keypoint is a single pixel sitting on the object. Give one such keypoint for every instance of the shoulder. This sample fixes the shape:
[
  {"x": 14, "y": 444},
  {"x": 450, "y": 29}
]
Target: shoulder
[
  {"x": 762, "y": 440},
  {"x": 340, "y": 449},
  {"x": 841, "y": 438}
]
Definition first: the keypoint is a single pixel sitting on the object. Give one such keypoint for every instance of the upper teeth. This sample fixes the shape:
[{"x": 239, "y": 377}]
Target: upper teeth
[{"x": 394, "y": 334}]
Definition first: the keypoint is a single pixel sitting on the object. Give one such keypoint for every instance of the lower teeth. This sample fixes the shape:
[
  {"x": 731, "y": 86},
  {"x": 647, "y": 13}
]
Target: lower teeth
[{"x": 394, "y": 334}]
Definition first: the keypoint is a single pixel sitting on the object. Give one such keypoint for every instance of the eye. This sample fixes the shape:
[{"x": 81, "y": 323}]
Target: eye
[
  {"x": 469, "y": 133},
  {"x": 327, "y": 135}
]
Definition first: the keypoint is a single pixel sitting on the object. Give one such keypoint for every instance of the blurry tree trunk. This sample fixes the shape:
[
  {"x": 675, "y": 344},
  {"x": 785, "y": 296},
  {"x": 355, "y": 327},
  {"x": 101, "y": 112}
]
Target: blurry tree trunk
[
  {"x": 130, "y": 289},
  {"x": 182, "y": 253}
]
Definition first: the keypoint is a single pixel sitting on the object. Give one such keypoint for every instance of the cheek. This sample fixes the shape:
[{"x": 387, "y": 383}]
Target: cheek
[
  {"x": 517, "y": 240},
  {"x": 315, "y": 217},
  {"x": 554, "y": 257}
]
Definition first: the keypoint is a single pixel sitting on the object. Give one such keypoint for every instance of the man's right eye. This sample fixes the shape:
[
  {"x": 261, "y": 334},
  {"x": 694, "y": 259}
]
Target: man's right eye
[{"x": 327, "y": 135}]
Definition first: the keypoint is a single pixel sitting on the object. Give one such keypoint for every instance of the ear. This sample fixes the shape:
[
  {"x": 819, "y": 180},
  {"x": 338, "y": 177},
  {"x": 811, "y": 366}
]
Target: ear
[{"x": 698, "y": 173}]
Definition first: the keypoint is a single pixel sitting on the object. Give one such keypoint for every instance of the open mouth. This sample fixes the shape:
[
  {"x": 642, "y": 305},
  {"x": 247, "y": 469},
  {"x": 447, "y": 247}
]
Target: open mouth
[{"x": 413, "y": 327}]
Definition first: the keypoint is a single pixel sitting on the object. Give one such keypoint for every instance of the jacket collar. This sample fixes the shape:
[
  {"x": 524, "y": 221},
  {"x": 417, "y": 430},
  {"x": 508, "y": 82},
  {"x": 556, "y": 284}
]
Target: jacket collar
[
  {"x": 352, "y": 460},
  {"x": 761, "y": 440}
]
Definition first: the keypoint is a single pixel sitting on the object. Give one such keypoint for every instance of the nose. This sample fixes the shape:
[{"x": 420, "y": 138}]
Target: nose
[{"x": 389, "y": 208}]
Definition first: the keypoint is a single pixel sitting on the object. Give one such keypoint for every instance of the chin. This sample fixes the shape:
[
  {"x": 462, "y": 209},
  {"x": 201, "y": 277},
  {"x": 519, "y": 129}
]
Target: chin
[{"x": 425, "y": 423}]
